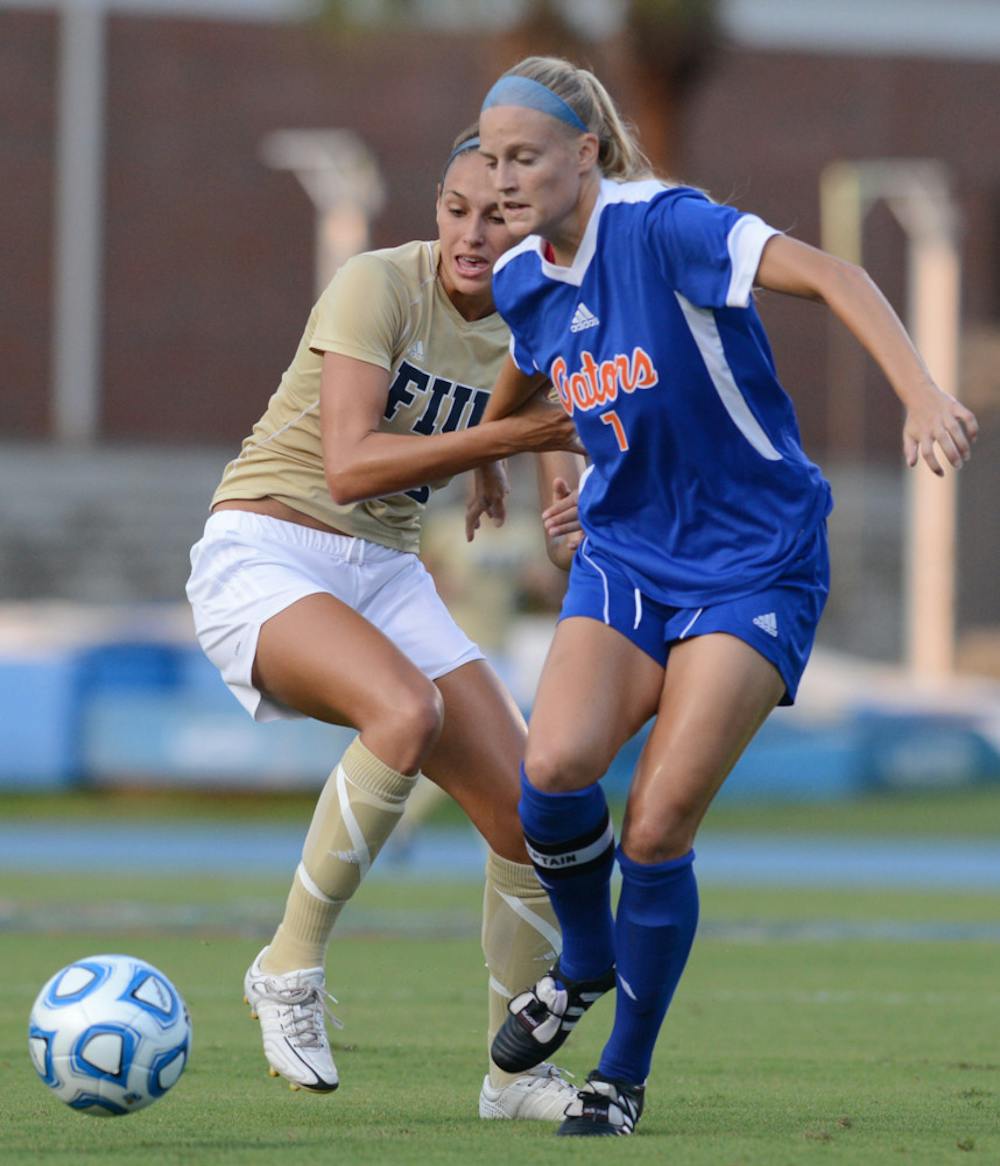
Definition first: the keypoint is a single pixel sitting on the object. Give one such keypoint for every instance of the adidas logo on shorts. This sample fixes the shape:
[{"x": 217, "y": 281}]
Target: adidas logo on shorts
[
  {"x": 767, "y": 623},
  {"x": 583, "y": 318}
]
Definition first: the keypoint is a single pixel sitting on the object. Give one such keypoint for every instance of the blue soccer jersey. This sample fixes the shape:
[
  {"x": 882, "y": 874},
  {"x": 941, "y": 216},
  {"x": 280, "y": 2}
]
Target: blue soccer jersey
[{"x": 698, "y": 486}]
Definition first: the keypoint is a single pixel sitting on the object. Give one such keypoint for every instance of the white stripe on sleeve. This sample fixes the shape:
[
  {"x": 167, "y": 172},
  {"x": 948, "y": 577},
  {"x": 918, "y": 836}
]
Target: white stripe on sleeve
[{"x": 746, "y": 244}]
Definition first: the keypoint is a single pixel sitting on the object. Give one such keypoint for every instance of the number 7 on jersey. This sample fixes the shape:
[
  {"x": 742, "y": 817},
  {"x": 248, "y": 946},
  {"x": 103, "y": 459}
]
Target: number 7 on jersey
[{"x": 611, "y": 418}]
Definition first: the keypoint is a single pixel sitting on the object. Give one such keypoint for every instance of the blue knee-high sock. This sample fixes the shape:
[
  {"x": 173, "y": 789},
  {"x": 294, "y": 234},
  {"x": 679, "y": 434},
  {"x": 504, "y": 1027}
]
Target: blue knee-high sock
[
  {"x": 654, "y": 929},
  {"x": 572, "y": 846}
]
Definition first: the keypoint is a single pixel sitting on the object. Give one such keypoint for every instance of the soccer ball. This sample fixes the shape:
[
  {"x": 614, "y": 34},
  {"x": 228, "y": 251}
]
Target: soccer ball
[{"x": 109, "y": 1034}]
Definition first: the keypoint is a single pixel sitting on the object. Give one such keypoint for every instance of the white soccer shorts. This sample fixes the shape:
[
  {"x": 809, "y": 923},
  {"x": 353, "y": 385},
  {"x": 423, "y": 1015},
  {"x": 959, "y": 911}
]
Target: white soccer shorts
[{"x": 248, "y": 567}]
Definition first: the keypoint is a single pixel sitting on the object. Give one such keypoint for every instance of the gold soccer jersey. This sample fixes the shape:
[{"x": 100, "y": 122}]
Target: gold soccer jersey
[{"x": 387, "y": 308}]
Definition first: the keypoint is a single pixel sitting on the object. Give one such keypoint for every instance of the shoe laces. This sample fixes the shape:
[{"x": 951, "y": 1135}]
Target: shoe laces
[
  {"x": 303, "y": 1007},
  {"x": 546, "y": 1075}
]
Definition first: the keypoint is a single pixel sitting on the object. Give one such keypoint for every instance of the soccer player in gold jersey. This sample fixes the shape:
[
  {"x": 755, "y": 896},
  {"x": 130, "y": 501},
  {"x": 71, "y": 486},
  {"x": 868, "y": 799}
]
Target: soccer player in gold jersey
[{"x": 309, "y": 597}]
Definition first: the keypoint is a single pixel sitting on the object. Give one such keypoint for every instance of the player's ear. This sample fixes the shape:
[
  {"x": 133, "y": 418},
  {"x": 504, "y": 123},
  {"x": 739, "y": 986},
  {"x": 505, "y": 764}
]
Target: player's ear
[{"x": 588, "y": 148}]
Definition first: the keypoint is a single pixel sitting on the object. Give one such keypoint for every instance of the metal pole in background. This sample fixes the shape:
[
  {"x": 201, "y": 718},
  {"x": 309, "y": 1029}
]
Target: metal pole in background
[
  {"x": 344, "y": 184},
  {"x": 929, "y": 217},
  {"x": 918, "y": 194},
  {"x": 79, "y": 221}
]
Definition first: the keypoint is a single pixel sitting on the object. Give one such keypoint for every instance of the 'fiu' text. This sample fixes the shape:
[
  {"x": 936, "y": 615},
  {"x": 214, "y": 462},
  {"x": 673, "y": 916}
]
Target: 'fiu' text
[
  {"x": 446, "y": 409},
  {"x": 599, "y": 384},
  {"x": 454, "y": 397}
]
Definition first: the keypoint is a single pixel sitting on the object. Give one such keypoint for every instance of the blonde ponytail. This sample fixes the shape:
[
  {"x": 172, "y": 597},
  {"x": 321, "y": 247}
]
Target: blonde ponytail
[{"x": 619, "y": 155}]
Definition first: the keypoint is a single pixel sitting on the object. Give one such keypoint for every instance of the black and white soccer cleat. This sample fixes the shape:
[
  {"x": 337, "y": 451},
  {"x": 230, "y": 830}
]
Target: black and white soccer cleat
[
  {"x": 603, "y": 1109},
  {"x": 542, "y": 1018}
]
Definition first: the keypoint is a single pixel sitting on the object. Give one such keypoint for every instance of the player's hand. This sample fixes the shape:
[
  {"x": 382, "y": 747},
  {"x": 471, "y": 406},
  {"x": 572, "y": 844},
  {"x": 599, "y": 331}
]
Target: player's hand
[
  {"x": 936, "y": 419},
  {"x": 562, "y": 517},
  {"x": 561, "y": 520},
  {"x": 542, "y": 425},
  {"x": 487, "y": 495}
]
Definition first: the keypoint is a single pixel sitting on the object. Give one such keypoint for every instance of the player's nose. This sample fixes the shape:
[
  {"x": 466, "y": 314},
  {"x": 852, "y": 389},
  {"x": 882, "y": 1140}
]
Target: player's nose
[
  {"x": 503, "y": 176},
  {"x": 475, "y": 230}
]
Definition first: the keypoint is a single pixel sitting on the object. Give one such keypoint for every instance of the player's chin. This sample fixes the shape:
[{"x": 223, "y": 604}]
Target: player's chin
[
  {"x": 520, "y": 226},
  {"x": 517, "y": 216}
]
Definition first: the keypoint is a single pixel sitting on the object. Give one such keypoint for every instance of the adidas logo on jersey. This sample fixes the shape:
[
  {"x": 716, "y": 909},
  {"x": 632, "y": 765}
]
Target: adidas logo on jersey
[
  {"x": 767, "y": 623},
  {"x": 416, "y": 350},
  {"x": 583, "y": 318}
]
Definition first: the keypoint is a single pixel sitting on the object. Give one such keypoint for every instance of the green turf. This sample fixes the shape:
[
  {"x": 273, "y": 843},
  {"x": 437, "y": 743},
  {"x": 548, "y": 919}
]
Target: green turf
[
  {"x": 779, "y": 1049},
  {"x": 970, "y": 812}
]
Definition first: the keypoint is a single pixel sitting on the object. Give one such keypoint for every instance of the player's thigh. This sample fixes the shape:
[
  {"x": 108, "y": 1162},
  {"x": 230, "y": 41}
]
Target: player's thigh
[
  {"x": 717, "y": 692},
  {"x": 596, "y": 690},
  {"x": 477, "y": 757},
  {"x": 320, "y": 657}
]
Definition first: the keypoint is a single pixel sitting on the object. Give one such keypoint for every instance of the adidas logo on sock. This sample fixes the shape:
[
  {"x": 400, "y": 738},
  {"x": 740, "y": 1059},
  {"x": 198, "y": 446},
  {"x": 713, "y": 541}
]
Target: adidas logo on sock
[
  {"x": 583, "y": 318},
  {"x": 767, "y": 623}
]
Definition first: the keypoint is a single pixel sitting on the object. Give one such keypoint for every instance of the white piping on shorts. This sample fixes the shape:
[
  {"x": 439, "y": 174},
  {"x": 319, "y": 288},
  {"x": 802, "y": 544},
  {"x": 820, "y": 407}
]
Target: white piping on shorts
[
  {"x": 604, "y": 580},
  {"x": 638, "y": 609},
  {"x": 690, "y": 623}
]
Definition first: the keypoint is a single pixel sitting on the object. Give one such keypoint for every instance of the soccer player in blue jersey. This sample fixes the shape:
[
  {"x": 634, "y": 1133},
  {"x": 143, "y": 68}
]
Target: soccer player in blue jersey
[{"x": 695, "y": 595}]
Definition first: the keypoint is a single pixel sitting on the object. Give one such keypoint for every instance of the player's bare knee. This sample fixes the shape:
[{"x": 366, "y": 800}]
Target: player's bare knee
[
  {"x": 420, "y": 714},
  {"x": 651, "y": 837},
  {"x": 554, "y": 770},
  {"x": 404, "y": 725}
]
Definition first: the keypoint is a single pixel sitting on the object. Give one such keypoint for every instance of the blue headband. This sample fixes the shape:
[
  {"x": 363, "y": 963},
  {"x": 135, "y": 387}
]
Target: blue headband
[
  {"x": 514, "y": 90},
  {"x": 469, "y": 144}
]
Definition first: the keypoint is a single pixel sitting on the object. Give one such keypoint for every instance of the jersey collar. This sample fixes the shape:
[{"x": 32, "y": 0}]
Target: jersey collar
[{"x": 577, "y": 270}]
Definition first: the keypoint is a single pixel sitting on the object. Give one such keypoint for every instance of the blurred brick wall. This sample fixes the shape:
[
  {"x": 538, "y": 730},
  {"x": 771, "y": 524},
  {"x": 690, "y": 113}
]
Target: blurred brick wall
[
  {"x": 210, "y": 253},
  {"x": 208, "y": 256},
  {"x": 27, "y": 126},
  {"x": 759, "y": 131},
  {"x": 208, "y": 259}
]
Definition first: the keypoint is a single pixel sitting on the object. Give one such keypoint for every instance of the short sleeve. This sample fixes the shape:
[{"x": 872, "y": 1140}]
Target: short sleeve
[
  {"x": 708, "y": 252},
  {"x": 522, "y": 357},
  {"x": 360, "y": 314},
  {"x": 508, "y": 288}
]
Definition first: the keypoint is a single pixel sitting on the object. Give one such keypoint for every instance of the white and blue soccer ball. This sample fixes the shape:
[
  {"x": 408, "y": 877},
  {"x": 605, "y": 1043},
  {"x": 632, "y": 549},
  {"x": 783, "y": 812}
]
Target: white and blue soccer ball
[{"x": 109, "y": 1034}]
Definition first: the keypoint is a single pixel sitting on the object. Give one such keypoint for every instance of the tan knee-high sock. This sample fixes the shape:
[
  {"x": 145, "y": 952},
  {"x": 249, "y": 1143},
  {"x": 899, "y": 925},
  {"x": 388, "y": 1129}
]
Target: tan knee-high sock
[
  {"x": 521, "y": 939},
  {"x": 359, "y": 807}
]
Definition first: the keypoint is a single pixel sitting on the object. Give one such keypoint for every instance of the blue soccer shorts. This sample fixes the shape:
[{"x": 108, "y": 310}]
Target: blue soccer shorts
[{"x": 779, "y": 621}]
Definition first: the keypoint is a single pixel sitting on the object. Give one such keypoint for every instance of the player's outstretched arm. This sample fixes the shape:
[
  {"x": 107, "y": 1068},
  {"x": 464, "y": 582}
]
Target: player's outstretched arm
[
  {"x": 933, "y": 417},
  {"x": 511, "y": 390},
  {"x": 362, "y": 462}
]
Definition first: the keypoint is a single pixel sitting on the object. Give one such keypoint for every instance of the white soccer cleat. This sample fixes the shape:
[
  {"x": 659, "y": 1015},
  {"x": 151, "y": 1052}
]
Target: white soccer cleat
[
  {"x": 291, "y": 1008},
  {"x": 542, "y": 1094}
]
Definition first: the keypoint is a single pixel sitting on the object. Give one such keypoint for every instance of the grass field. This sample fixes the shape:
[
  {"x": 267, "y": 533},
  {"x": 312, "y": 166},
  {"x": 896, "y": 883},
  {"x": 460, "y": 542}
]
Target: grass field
[
  {"x": 818, "y": 1026},
  {"x": 971, "y": 812}
]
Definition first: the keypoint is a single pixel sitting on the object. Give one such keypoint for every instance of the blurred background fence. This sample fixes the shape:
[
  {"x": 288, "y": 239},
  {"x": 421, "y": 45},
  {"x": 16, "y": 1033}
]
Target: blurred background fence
[{"x": 160, "y": 240}]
